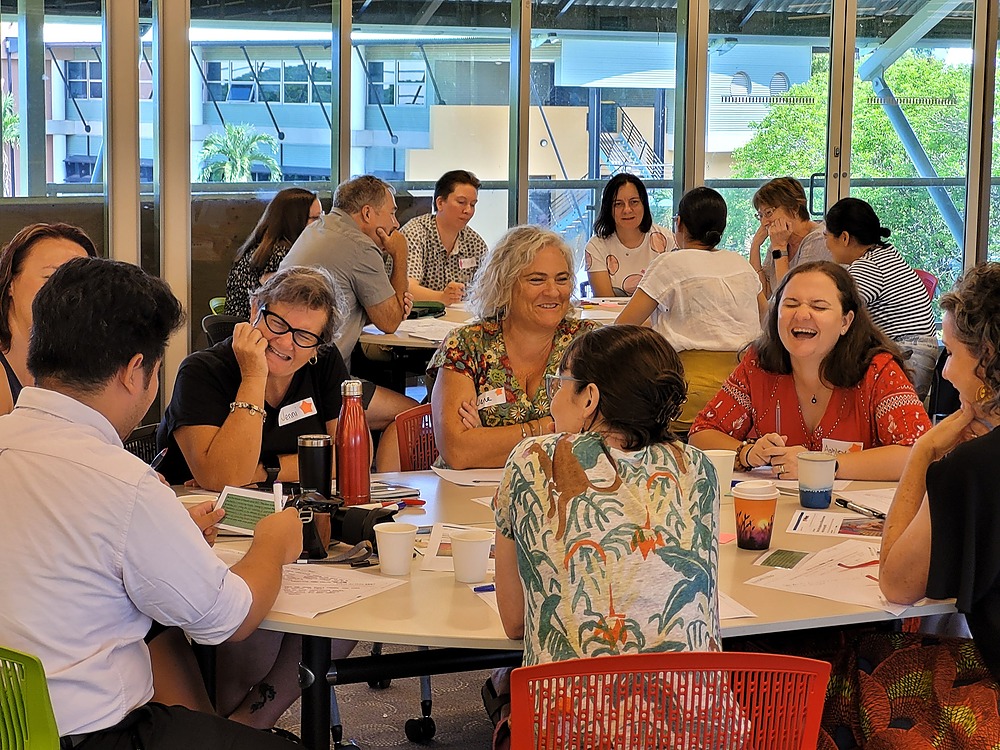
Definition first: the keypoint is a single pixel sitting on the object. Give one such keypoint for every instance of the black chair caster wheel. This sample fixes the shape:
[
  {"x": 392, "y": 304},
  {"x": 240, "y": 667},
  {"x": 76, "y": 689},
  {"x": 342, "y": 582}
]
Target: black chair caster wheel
[
  {"x": 420, "y": 730},
  {"x": 379, "y": 684}
]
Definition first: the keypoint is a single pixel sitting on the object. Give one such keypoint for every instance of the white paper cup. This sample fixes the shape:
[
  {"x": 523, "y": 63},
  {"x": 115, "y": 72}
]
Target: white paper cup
[
  {"x": 816, "y": 472},
  {"x": 395, "y": 547},
  {"x": 723, "y": 461},
  {"x": 470, "y": 551}
]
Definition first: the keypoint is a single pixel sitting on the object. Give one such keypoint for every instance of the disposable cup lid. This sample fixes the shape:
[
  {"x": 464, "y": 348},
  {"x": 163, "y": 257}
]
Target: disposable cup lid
[{"x": 756, "y": 489}]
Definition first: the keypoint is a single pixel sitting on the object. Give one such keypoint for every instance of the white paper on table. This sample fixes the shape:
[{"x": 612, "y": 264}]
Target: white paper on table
[
  {"x": 487, "y": 501},
  {"x": 470, "y": 477},
  {"x": 879, "y": 500},
  {"x": 490, "y": 597},
  {"x": 307, "y": 590},
  {"x": 600, "y": 313},
  {"x": 844, "y": 573},
  {"x": 824, "y": 523},
  {"x": 431, "y": 329},
  {"x": 438, "y": 553},
  {"x": 730, "y": 609}
]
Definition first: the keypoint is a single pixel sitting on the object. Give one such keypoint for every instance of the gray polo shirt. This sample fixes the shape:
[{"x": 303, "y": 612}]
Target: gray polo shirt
[{"x": 337, "y": 244}]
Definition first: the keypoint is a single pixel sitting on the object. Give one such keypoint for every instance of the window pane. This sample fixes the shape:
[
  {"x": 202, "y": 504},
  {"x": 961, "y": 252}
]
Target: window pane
[{"x": 296, "y": 93}]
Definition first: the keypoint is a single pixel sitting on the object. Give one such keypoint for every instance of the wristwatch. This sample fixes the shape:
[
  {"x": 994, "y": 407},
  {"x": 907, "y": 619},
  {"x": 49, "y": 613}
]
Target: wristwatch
[{"x": 779, "y": 254}]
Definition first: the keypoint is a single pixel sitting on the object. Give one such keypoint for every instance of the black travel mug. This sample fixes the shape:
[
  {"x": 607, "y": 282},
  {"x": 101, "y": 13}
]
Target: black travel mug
[{"x": 316, "y": 464}]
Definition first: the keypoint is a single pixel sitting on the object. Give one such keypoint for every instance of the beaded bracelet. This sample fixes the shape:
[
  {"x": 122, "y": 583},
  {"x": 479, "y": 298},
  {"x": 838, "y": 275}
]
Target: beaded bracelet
[
  {"x": 742, "y": 459},
  {"x": 252, "y": 408}
]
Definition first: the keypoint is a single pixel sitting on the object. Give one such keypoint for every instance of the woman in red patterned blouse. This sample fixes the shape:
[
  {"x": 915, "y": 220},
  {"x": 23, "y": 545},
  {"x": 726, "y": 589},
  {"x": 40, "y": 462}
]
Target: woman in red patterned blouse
[{"x": 820, "y": 377}]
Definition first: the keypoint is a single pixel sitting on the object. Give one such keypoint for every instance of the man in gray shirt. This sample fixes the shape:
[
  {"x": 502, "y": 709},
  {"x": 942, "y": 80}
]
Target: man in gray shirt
[{"x": 349, "y": 242}]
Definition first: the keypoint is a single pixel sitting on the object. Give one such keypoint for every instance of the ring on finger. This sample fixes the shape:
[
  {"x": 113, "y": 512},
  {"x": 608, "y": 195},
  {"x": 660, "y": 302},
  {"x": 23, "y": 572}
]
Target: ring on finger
[{"x": 780, "y": 468}]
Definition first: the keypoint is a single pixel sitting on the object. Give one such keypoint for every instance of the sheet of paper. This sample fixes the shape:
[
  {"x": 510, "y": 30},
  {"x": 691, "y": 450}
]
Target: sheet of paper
[
  {"x": 431, "y": 329},
  {"x": 875, "y": 499},
  {"x": 487, "y": 501},
  {"x": 490, "y": 597},
  {"x": 824, "y": 523},
  {"x": 730, "y": 609},
  {"x": 846, "y": 572},
  {"x": 470, "y": 477},
  {"x": 437, "y": 556},
  {"x": 309, "y": 589}
]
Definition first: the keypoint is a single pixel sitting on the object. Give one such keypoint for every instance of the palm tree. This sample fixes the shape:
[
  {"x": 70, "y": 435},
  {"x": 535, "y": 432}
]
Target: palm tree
[
  {"x": 10, "y": 135},
  {"x": 228, "y": 156}
]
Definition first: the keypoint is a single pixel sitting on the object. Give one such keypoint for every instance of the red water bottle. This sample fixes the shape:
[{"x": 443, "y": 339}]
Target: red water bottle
[{"x": 354, "y": 458}]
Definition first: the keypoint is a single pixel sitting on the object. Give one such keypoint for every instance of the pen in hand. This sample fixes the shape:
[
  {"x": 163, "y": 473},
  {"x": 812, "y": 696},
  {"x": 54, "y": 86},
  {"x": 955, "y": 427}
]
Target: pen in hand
[{"x": 158, "y": 459}]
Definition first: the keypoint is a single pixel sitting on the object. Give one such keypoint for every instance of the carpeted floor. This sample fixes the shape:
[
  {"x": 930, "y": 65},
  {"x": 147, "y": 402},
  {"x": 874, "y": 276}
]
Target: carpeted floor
[{"x": 375, "y": 718}]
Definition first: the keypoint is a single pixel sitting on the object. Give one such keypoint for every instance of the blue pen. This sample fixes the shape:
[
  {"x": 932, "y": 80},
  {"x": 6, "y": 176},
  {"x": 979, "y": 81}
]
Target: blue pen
[
  {"x": 484, "y": 589},
  {"x": 158, "y": 459}
]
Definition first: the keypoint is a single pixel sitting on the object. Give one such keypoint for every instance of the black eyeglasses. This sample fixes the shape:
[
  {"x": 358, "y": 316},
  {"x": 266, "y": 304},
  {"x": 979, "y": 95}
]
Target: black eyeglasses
[
  {"x": 554, "y": 382},
  {"x": 278, "y": 325}
]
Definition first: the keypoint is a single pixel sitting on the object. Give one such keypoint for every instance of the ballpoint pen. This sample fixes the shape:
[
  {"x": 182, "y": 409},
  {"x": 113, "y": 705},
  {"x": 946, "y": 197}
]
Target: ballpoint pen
[
  {"x": 158, "y": 459},
  {"x": 485, "y": 589},
  {"x": 870, "y": 512},
  {"x": 777, "y": 417},
  {"x": 404, "y": 502}
]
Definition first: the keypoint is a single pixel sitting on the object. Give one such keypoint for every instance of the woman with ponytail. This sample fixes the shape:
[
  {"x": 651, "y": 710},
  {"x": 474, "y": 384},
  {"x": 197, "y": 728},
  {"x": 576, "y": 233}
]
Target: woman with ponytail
[
  {"x": 607, "y": 536},
  {"x": 705, "y": 301},
  {"x": 894, "y": 295}
]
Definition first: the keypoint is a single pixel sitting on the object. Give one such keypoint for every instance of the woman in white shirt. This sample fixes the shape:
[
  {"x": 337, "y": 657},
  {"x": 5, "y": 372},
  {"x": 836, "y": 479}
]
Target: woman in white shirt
[
  {"x": 702, "y": 299},
  {"x": 625, "y": 238}
]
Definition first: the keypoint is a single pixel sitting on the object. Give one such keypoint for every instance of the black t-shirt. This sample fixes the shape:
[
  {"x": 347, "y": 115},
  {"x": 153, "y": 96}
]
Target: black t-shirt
[
  {"x": 207, "y": 382},
  {"x": 963, "y": 490}
]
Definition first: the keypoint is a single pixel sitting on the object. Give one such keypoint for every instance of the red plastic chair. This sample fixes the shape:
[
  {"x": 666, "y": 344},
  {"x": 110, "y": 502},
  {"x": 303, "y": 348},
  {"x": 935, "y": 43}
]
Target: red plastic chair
[
  {"x": 668, "y": 701},
  {"x": 415, "y": 436},
  {"x": 929, "y": 279}
]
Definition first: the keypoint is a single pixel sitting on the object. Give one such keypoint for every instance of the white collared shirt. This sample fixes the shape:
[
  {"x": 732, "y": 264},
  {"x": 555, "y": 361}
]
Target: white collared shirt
[{"x": 92, "y": 549}]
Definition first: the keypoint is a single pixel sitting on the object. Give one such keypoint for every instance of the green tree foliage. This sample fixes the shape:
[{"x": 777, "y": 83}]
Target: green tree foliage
[
  {"x": 229, "y": 156},
  {"x": 934, "y": 96},
  {"x": 11, "y": 120}
]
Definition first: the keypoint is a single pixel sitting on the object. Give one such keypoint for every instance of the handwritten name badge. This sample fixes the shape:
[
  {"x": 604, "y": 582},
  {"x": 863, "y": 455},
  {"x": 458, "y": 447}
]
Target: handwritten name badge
[
  {"x": 295, "y": 412},
  {"x": 491, "y": 398},
  {"x": 466, "y": 263},
  {"x": 841, "y": 446}
]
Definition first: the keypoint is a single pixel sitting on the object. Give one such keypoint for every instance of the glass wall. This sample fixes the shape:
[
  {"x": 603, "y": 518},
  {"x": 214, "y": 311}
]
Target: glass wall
[{"x": 993, "y": 240}]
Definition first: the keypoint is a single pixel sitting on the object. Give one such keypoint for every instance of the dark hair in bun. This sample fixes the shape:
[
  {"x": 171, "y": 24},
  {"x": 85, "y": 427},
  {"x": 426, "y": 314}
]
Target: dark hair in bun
[
  {"x": 640, "y": 378},
  {"x": 703, "y": 213},
  {"x": 858, "y": 219}
]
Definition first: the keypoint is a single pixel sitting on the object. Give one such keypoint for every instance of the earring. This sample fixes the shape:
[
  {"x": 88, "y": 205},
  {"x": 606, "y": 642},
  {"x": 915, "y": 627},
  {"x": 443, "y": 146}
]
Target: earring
[
  {"x": 983, "y": 393},
  {"x": 314, "y": 358}
]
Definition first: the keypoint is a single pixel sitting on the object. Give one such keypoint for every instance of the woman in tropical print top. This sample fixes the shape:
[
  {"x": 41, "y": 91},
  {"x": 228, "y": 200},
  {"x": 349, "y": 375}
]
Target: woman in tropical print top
[{"x": 608, "y": 538}]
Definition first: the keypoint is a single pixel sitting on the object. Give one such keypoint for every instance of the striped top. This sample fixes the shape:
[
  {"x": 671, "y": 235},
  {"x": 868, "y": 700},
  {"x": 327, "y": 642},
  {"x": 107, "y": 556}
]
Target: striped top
[{"x": 895, "y": 296}]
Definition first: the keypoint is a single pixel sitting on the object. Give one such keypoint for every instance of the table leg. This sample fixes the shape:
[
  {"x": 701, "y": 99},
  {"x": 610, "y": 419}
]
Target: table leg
[{"x": 315, "y": 692}]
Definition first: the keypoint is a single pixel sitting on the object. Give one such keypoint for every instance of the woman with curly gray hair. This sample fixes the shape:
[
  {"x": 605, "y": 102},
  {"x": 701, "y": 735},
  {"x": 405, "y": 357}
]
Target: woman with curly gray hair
[
  {"x": 940, "y": 536},
  {"x": 489, "y": 389},
  {"x": 238, "y": 407}
]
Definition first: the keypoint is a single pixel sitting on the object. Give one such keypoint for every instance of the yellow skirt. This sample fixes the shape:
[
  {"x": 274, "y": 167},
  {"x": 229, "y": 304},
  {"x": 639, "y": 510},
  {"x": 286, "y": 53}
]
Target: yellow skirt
[{"x": 705, "y": 372}]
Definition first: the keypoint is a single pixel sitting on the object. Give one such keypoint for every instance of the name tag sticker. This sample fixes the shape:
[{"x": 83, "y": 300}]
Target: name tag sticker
[
  {"x": 466, "y": 263},
  {"x": 295, "y": 412},
  {"x": 841, "y": 446},
  {"x": 491, "y": 398}
]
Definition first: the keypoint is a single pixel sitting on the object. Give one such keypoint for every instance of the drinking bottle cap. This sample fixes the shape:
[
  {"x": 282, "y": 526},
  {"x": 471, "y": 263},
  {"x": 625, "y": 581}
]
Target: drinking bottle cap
[{"x": 350, "y": 387}]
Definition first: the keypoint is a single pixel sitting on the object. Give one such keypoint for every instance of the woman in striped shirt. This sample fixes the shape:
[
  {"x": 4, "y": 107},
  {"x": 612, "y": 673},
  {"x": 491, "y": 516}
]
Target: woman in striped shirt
[{"x": 896, "y": 298}]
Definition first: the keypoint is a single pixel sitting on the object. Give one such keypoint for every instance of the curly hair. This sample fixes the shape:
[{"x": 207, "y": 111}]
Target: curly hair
[
  {"x": 974, "y": 305},
  {"x": 15, "y": 252},
  {"x": 640, "y": 378},
  {"x": 493, "y": 285},
  {"x": 783, "y": 192},
  {"x": 604, "y": 226},
  {"x": 851, "y": 356},
  {"x": 311, "y": 287}
]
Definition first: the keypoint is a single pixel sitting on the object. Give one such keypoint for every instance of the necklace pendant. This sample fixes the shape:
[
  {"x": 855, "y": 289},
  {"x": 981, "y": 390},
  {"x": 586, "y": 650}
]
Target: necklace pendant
[{"x": 813, "y": 399}]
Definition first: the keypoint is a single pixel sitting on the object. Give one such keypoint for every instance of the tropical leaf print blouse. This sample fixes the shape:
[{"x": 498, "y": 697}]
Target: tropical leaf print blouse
[{"x": 617, "y": 550}]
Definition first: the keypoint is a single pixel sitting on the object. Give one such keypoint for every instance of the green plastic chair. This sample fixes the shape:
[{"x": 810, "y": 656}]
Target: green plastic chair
[
  {"x": 26, "y": 718},
  {"x": 218, "y": 305}
]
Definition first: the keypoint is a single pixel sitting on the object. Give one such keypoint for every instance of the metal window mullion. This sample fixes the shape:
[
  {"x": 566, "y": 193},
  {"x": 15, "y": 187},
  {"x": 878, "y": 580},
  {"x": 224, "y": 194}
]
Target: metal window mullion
[
  {"x": 31, "y": 90},
  {"x": 691, "y": 102},
  {"x": 121, "y": 129},
  {"x": 520, "y": 99},
  {"x": 982, "y": 96},
  {"x": 843, "y": 31},
  {"x": 172, "y": 165},
  {"x": 340, "y": 105}
]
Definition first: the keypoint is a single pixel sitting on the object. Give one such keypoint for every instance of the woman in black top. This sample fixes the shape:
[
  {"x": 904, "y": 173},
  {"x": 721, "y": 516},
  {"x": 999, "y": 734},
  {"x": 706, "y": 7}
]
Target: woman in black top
[{"x": 288, "y": 213}]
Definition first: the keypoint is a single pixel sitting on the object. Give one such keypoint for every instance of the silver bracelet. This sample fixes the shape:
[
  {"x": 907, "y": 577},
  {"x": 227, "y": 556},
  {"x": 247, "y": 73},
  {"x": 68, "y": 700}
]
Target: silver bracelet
[{"x": 253, "y": 408}]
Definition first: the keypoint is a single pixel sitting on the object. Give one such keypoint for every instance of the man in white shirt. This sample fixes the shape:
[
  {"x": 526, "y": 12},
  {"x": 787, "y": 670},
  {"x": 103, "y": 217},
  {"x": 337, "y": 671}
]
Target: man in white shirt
[{"x": 93, "y": 547}]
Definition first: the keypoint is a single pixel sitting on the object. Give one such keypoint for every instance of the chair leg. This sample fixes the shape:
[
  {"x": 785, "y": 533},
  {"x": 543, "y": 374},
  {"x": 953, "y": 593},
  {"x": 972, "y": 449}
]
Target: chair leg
[
  {"x": 337, "y": 727},
  {"x": 424, "y": 728}
]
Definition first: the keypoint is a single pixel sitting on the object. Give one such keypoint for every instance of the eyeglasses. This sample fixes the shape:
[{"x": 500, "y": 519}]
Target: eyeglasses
[
  {"x": 766, "y": 213},
  {"x": 278, "y": 325},
  {"x": 554, "y": 382}
]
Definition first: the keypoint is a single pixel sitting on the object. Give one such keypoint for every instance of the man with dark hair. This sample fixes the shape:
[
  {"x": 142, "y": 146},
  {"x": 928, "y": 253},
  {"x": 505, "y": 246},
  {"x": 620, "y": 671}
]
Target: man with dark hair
[
  {"x": 444, "y": 251},
  {"x": 93, "y": 547}
]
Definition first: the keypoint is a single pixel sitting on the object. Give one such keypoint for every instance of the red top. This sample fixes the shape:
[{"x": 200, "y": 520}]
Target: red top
[{"x": 882, "y": 409}]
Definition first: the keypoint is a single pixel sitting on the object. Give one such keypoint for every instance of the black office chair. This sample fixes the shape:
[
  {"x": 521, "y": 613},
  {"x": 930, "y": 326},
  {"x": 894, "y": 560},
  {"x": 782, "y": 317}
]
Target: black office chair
[
  {"x": 942, "y": 399},
  {"x": 219, "y": 327},
  {"x": 141, "y": 442}
]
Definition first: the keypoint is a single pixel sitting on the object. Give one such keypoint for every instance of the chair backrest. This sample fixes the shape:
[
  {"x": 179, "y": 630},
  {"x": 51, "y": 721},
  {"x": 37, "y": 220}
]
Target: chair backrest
[
  {"x": 415, "y": 436},
  {"x": 219, "y": 327},
  {"x": 26, "y": 718},
  {"x": 141, "y": 442},
  {"x": 929, "y": 279},
  {"x": 217, "y": 305},
  {"x": 704, "y": 700}
]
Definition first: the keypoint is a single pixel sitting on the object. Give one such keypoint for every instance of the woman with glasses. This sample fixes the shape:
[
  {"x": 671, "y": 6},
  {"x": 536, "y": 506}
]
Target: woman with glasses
[
  {"x": 239, "y": 407},
  {"x": 702, "y": 299},
  {"x": 793, "y": 237},
  {"x": 489, "y": 389},
  {"x": 625, "y": 238},
  {"x": 288, "y": 213},
  {"x": 607, "y": 531}
]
